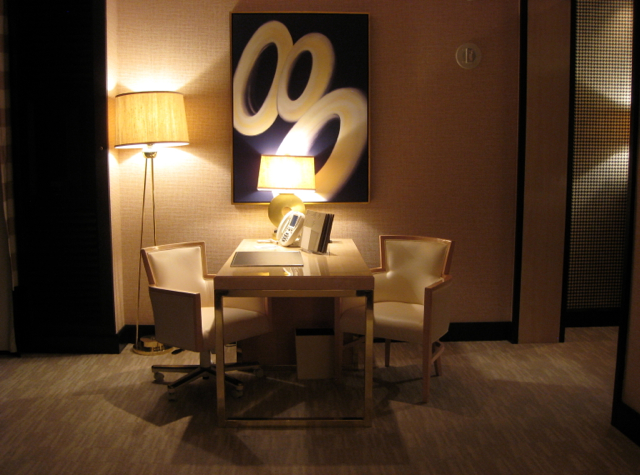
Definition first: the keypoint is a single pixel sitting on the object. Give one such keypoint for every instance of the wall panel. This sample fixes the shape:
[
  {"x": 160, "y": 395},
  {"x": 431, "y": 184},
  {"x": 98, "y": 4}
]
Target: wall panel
[{"x": 545, "y": 174}]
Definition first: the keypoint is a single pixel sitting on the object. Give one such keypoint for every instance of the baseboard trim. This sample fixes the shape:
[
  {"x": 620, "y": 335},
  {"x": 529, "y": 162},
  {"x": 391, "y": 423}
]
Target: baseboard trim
[
  {"x": 471, "y": 331},
  {"x": 599, "y": 317},
  {"x": 626, "y": 420},
  {"x": 128, "y": 333},
  {"x": 478, "y": 331}
]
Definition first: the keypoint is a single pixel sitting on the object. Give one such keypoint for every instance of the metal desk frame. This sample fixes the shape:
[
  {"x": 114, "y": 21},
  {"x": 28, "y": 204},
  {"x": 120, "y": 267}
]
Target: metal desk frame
[{"x": 354, "y": 279}]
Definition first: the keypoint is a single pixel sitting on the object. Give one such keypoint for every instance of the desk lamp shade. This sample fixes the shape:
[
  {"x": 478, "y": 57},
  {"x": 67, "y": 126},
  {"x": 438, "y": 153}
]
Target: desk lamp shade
[
  {"x": 145, "y": 119},
  {"x": 286, "y": 174}
]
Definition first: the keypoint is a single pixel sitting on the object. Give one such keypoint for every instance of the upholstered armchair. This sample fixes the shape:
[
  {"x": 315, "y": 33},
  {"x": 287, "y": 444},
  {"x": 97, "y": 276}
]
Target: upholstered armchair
[
  {"x": 411, "y": 300},
  {"x": 181, "y": 293}
]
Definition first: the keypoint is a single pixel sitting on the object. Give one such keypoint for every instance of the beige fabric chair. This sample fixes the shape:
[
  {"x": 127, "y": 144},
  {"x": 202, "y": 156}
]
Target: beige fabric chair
[
  {"x": 181, "y": 295},
  {"x": 411, "y": 299}
]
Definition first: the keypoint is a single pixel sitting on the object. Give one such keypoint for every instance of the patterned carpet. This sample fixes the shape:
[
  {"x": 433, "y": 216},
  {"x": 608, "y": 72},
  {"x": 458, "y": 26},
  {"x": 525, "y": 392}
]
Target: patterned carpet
[{"x": 498, "y": 409}]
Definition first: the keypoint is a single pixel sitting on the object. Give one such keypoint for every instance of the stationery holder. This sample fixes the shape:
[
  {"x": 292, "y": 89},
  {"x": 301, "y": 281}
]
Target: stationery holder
[{"x": 316, "y": 232}]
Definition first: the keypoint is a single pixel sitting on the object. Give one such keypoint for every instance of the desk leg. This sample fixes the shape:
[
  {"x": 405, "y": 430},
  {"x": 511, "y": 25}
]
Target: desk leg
[
  {"x": 222, "y": 417},
  {"x": 368, "y": 360}
]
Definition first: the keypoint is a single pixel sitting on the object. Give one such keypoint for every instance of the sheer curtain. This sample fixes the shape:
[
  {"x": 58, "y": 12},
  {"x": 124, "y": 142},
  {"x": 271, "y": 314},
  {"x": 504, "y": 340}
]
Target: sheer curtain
[{"x": 8, "y": 271}]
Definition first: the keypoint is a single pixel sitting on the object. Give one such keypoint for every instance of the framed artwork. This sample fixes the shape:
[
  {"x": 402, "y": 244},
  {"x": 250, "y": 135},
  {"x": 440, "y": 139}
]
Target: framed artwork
[{"x": 301, "y": 87}]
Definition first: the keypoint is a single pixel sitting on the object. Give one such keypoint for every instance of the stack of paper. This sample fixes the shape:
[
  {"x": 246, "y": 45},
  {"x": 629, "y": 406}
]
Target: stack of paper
[{"x": 316, "y": 233}]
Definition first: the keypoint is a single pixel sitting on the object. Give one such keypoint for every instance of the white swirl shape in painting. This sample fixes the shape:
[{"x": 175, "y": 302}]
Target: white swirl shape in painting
[
  {"x": 323, "y": 60},
  {"x": 349, "y": 105},
  {"x": 244, "y": 120}
]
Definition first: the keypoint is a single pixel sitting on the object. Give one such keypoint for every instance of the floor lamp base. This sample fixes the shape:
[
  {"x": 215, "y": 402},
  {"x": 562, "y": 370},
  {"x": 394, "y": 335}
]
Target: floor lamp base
[{"x": 149, "y": 346}]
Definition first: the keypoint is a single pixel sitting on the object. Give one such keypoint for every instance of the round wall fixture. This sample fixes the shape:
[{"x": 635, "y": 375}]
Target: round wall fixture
[{"x": 468, "y": 56}]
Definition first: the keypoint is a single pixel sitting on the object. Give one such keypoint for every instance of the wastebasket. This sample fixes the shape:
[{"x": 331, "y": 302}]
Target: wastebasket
[{"x": 314, "y": 353}]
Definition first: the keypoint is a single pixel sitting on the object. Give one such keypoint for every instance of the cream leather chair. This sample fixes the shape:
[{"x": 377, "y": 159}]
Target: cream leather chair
[
  {"x": 181, "y": 295},
  {"x": 411, "y": 300}
]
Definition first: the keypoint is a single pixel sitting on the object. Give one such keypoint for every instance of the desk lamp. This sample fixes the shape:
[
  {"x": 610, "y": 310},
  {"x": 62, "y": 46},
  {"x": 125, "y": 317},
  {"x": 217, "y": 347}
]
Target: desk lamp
[
  {"x": 286, "y": 174},
  {"x": 150, "y": 120}
]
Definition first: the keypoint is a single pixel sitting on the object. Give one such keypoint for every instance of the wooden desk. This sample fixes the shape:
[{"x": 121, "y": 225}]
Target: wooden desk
[{"x": 340, "y": 273}]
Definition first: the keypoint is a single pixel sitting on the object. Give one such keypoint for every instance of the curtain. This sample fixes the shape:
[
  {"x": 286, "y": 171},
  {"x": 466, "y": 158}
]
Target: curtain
[{"x": 8, "y": 269}]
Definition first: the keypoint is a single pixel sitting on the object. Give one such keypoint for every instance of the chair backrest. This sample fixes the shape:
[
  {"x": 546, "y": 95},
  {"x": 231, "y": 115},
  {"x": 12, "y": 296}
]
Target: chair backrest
[
  {"x": 180, "y": 267},
  {"x": 409, "y": 264},
  {"x": 172, "y": 270}
]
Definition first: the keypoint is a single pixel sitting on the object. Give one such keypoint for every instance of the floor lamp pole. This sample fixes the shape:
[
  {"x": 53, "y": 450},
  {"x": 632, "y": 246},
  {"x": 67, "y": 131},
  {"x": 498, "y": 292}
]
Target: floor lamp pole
[{"x": 150, "y": 346}]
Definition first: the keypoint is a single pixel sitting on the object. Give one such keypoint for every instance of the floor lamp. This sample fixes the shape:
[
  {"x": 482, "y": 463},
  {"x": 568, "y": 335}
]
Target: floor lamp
[{"x": 149, "y": 120}]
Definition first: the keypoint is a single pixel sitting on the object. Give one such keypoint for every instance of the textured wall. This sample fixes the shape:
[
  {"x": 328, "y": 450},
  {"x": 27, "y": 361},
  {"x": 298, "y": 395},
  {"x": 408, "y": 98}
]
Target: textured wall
[{"x": 443, "y": 139}]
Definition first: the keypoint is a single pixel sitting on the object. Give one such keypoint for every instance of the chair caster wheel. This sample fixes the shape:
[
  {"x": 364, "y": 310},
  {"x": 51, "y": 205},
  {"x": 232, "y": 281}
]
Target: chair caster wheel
[
  {"x": 158, "y": 377},
  {"x": 259, "y": 373}
]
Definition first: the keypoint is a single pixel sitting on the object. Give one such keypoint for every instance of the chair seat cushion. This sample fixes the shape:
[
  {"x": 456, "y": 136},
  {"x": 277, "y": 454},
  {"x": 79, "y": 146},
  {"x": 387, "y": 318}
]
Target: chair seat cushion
[
  {"x": 238, "y": 325},
  {"x": 393, "y": 320}
]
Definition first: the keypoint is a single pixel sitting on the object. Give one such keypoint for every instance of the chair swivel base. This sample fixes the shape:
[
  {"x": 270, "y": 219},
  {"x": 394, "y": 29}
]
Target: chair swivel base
[{"x": 198, "y": 371}]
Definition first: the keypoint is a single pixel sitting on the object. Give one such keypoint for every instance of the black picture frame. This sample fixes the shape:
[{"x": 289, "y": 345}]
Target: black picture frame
[{"x": 302, "y": 75}]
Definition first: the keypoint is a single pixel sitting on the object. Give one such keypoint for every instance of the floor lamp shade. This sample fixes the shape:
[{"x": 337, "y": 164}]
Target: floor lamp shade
[{"x": 150, "y": 118}]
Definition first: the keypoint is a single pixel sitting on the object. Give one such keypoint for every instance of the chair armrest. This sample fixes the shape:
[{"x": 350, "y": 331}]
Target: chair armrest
[
  {"x": 438, "y": 307},
  {"x": 441, "y": 283},
  {"x": 254, "y": 304},
  {"x": 178, "y": 318}
]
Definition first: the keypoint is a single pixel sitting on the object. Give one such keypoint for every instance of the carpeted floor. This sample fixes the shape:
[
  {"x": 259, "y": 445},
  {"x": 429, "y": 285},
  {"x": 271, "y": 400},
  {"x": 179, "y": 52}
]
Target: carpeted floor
[{"x": 498, "y": 409}]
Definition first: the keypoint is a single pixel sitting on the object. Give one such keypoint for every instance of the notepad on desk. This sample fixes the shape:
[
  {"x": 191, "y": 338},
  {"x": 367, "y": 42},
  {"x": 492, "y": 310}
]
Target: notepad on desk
[{"x": 267, "y": 259}]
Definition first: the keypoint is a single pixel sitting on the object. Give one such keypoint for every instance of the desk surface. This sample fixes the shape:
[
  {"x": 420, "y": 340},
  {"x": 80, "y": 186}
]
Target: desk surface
[{"x": 341, "y": 268}]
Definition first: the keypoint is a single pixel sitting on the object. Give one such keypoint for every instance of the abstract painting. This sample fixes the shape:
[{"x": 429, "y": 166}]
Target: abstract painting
[{"x": 301, "y": 87}]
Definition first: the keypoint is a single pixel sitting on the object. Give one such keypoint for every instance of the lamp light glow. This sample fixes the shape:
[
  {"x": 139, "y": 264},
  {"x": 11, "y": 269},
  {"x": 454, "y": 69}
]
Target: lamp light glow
[
  {"x": 151, "y": 118},
  {"x": 286, "y": 174}
]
